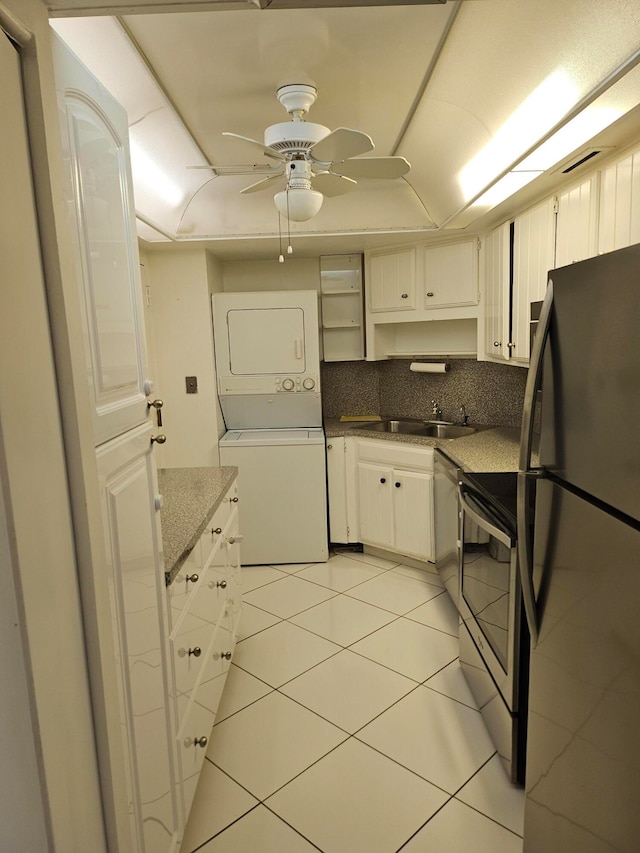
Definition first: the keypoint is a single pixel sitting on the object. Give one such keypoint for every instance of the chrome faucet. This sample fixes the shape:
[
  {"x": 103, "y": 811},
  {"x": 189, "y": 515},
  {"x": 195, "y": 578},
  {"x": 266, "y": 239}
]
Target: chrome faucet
[
  {"x": 436, "y": 411},
  {"x": 464, "y": 417}
]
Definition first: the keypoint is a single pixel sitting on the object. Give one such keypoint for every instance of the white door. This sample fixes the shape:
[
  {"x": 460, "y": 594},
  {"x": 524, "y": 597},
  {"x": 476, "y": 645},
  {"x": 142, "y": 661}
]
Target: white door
[
  {"x": 129, "y": 617},
  {"x": 413, "y": 513},
  {"x": 128, "y": 487},
  {"x": 266, "y": 341},
  {"x": 100, "y": 200}
]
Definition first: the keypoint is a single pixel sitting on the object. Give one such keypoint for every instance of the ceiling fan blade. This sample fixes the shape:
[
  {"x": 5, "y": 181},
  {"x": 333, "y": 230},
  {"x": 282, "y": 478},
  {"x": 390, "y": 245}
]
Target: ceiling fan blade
[
  {"x": 373, "y": 167},
  {"x": 268, "y": 152},
  {"x": 332, "y": 185},
  {"x": 341, "y": 144},
  {"x": 263, "y": 184}
]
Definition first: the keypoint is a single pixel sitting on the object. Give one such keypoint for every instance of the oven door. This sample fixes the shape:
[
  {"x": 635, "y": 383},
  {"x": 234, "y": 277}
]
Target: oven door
[{"x": 490, "y": 598}]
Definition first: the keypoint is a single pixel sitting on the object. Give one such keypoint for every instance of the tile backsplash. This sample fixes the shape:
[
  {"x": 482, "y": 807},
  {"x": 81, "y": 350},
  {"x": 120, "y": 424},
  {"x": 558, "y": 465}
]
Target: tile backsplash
[{"x": 491, "y": 393}]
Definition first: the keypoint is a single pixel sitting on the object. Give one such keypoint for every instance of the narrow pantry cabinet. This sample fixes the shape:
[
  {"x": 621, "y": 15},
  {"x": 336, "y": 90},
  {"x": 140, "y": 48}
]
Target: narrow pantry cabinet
[
  {"x": 342, "y": 490},
  {"x": 395, "y": 495},
  {"x": 497, "y": 292},
  {"x": 204, "y": 609},
  {"x": 619, "y": 223}
]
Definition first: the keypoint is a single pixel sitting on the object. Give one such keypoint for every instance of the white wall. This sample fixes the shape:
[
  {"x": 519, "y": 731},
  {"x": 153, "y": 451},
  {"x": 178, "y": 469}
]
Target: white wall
[
  {"x": 293, "y": 274},
  {"x": 180, "y": 319}
]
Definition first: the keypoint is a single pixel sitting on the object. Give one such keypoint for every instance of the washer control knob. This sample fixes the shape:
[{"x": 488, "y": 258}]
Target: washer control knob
[
  {"x": 309, "y": 384},
  {"x": 288, "y": 384}
]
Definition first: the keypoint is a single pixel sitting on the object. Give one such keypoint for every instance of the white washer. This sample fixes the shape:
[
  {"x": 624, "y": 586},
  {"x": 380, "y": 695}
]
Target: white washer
[{"x": 282, "y": 483}]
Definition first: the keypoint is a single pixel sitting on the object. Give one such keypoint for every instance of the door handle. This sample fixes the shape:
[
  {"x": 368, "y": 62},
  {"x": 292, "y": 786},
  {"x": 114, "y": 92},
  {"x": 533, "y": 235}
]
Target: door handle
[{"x": 157, "y": 405}]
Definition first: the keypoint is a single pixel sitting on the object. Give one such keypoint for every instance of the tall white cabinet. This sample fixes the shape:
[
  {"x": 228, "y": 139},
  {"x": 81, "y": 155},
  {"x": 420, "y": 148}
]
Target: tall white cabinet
[{"x": 124, "y": 599}]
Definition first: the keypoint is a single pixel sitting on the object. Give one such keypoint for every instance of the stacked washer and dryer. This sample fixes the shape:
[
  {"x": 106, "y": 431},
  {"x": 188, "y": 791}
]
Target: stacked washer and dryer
[{"x": 268, "y": 368}]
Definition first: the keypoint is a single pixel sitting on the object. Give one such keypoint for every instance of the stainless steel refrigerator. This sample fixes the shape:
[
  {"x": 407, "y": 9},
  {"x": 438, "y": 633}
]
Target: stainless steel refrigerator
[{"x": 579, "y": 556}]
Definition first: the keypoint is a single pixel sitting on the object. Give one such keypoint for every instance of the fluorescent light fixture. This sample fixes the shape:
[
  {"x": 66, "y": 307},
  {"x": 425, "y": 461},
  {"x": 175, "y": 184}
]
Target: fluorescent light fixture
[
  {"x": 503, "y": 189},
  {"x": 153, "y": 178},
  {"x": 541, "y": 111},
  {"x": 569, "y": 138}
]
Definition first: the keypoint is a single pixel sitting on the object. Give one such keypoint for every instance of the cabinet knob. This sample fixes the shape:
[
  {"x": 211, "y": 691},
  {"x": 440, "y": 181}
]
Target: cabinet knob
[
  {"x": 193, "y": 578},
  {"x": 216, "y": 530},
  {"x": 511, "y": 344},
  {"x": 404, "y": 295},
  {"x": 222, "y": 584},
  {"x": 159, "y": 439},
  {"x": 200, "y": 741},
  {"x": 398, "y": 485},
  {"x": 225, "y": 655},
  {"x": 430, "y": 293},
  {"x": 234, "y": 500},
  {"x": 233, "y": 539},
  {"x": 383, "y": 479},
  {"x": 329, "y": 446},
  {"x": 497, "y": 343},
  {"x": 196, "y": 651}
]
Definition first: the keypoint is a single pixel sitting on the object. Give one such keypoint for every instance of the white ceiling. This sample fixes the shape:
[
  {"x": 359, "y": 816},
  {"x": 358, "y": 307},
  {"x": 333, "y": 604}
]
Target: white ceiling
[{"x": 463, "y": 90}]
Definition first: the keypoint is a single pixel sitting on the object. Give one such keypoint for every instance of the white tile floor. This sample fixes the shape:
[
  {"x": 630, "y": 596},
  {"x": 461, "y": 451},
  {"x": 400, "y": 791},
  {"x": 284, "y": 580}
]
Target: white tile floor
[{"x": 346, "y": 725}]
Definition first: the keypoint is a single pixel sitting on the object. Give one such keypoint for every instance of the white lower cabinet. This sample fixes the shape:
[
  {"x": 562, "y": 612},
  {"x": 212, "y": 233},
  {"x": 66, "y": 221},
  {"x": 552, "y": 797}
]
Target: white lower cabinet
[
  {"x": 204, "y": 605},
  {"x": 395, "y": 497},
  {"x": 341, "y": 488}
]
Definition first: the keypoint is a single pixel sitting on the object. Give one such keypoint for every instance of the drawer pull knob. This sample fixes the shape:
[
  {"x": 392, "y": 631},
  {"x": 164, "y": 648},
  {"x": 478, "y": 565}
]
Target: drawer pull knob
[
  {"x": 405, "y": 295},
  {"x": 221, "y": 584},
  {"x": 194, "y": 578},
  {"x": 430, "y": 293},
  {"x": 233, "y": 539},
  {"x": 497, "y": 343},
  {"x": 234, "y": 500},
  {"x": 225, "y": 655},
  {"x": 159, "y": 439},
  {"x": 383, "y": 479},
  {"x": 200, "y": 741},
  {"x": 398, "y": 485},
  {"x": 196, "y": 651},
  {"x": 216, "y": 530}
]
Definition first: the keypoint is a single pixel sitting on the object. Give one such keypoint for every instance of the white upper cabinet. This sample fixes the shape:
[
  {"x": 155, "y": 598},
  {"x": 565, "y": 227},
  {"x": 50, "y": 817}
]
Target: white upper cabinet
[
  {"x": 392, "y": 280},
  {"x": 497, "y": 297},
  {"x": 533, "y": 257},
  {"x": 100, "y": 201},
  {"x": 619, "y": 224},
  {"x": 577, "y": 223},
  {"x": 341, "y": 298},
  {"x": 451, "y": 275}
]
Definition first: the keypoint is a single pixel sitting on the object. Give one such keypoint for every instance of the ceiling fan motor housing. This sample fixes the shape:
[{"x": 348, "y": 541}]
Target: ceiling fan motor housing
[{"x": 291, "y": 137}]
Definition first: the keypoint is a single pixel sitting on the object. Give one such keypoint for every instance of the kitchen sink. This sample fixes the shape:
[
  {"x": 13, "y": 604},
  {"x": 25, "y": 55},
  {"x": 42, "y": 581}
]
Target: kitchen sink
[{"x": 414, "y": 427}]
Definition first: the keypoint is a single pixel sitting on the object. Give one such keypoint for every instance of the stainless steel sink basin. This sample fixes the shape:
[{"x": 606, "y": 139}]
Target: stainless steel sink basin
[{"x": 414, "y": 427}]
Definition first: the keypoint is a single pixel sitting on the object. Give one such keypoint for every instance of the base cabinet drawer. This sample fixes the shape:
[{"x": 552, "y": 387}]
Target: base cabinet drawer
[{"x": 193, "y": 739}]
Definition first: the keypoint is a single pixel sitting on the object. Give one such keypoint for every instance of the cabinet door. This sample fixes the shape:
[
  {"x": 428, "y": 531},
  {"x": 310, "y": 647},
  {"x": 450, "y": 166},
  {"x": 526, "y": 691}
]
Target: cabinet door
[
  {"x": 337, "y": 490},
  {"x": 533, "y": 257},
  {"x": 392, "y": 280},
  {"x": 100, "y": 201},
  {"x": 413, "y": 513},
  {"x": 497, "y": 252},
  {"x": 576, "y": 223},
  {"x": 375, "y": 485},
  {"x": 138, "y": 612},
  {"x": 619, "y": 223},
  {"x": 451, "y": 275}
]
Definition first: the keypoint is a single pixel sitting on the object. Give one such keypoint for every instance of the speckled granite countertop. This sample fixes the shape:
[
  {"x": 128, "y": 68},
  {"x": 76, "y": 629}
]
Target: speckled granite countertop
[
  {"x": 191, "y": 496},
  {"x": 489, "y": 449}
]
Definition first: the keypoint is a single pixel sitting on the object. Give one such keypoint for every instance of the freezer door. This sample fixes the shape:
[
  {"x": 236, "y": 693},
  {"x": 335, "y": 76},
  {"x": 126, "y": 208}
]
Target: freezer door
[
  {"x": 591, "y": 379},
  {"x": 583, "y": 755}
]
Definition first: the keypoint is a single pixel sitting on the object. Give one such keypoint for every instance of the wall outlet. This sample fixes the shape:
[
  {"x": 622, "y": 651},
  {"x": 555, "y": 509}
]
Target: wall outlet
[{"x": 192, "y": 384}]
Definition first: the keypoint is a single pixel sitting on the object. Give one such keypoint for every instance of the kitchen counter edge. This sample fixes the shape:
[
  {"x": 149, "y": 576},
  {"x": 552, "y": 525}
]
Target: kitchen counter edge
[
  {"x": 190, "y": 498},
  {"x": 489, "y": 449}
]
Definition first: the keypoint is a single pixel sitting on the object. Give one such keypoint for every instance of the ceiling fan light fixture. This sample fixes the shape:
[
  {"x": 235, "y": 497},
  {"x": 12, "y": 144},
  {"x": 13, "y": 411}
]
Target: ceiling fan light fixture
[{"x": 298, "y": 205}]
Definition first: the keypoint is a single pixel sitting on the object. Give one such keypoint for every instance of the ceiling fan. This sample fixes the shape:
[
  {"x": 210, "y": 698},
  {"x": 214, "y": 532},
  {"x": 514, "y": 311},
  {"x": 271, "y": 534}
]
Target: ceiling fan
[{"x": 309, "y": 160}]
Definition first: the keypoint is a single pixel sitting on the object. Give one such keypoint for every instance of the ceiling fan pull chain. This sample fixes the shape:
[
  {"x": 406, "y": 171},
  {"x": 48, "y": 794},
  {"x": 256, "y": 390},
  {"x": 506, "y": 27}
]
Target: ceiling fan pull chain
[
  {"x": 289, "y": 247},
  {"x": 281, "y": 257}
]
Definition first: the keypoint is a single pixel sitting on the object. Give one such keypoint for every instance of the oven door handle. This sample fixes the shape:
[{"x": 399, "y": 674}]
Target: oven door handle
[{"x": 484, "y": 522}]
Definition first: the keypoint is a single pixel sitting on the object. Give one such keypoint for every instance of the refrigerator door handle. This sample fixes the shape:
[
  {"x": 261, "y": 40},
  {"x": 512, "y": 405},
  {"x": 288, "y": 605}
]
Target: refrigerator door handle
[
  {"x": 533, "y": 378},
  {"x": 525, "y": 554}
]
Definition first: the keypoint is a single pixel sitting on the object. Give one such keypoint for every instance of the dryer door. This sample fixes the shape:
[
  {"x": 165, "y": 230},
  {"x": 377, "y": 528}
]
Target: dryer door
[{"x": 265, "y": 341}]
